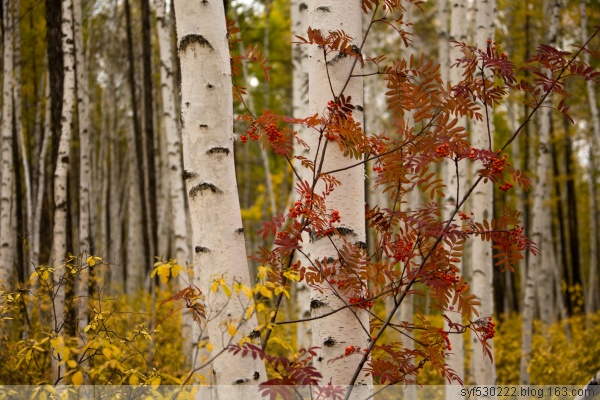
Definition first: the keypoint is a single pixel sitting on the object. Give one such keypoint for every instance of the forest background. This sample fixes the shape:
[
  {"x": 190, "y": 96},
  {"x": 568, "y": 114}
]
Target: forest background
[{"x": 126, "y": 217}]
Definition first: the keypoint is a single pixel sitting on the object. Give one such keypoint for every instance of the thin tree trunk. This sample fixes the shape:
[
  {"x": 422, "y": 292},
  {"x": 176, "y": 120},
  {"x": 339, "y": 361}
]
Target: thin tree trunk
[
  {"x": 174, "y": 168},
  {"x": 539, "y": 272},
  {"x": 27, "y": 226},
  {"x": 7, "y": 251},
  {"x": 482, "y": 205},
  {"x": 83, "y": 122},
  {"x": 59, "y": 237},
  {"x": 299, "y": 18},
  {"x": 595, "y": 146},
  {"x": 148, "y": 157},
  {"x": 207, "y": 133},
  {"x": 41, "y": 178},
  {"x": 138, "y": 243},
  {"x": 455, "y": 181}
]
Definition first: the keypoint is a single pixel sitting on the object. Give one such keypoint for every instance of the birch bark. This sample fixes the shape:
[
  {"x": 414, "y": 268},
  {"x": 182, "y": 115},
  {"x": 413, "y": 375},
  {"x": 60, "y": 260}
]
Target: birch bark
[
  {"x": 539, "y": 270},
  {"x": 207, "y": 133},
  {"x": 59, "y": 237},
  {"x": 482, "y": 205},
  {"x": 334, "y": 333},
  {"x": 456, "y": 183},
  {"x": 595, "y": 146},
  {"x": 6, "y": 249},
  {"x": 83, "y": 123},
  {"x": 174, "y": 167},
  {"x": 300, "y": 100}
]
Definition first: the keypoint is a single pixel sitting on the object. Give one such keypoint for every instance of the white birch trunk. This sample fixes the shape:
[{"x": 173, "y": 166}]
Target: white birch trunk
[
  {"x": 455, "y": 181},
  {"x": 207, "y": 128},
  {"x": 334, "y": 333},
  {"x": 484, "y": 371},
  {"x": 299, "y": 17},
  {"x": 7, "y": 256},
  {"x": 443, "y": 39},
  {"x": 539, "y": 271},
  {"x": 595, "y": 146},
  {"x": 41, "y": 179},
  {"x": 59, "y": 237},
  {"x": 85, "y": 230},
  {"x": 174, "y": 168}
]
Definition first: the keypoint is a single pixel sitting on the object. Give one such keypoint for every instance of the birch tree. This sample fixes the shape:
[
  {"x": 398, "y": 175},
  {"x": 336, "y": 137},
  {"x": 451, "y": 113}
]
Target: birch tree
[
  {"x": 594, "y": 151},
  {"x": 299, "y": 16},
  {"x": 455, "y": 176},
  {"x": 59, "y": 237},
  {"x": 538, "y": 283},
  {"x": 329, "y": 79},
  {"x": 482, "y": 205},
  {"x": 174, "y": 168},
  {"x": 217, "y": 234},
  {"x": 6, "y": 249},
  {"x": 83, "y": 123}
]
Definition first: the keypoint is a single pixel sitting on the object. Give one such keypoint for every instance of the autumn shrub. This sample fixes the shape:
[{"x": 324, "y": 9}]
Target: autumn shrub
[
  {"x": 565, "y": 353},
  {"x": 125, "y": 342}
]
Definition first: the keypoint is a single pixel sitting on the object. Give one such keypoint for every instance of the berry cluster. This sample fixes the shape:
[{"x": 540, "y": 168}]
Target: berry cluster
[
  {"x": 378, "y": 168},
  {"x": 449, "y": 279},
  {"x": 274, "y": 134},
  {"x": 444, "y": 336},
  {"x": 403, "y": 251},
  {"x": 498, "y": 165},
  {"x": 251, "y": 132},
  {"x": 463, "y": 216},
  {"x": 517, "y": 235},
  {"x": 487, "y": 328},
  {"x": 335, "y": 217},
  {"x": 300, "y": 207},
  {"x": 351, "y": 349},
  {"x": 443, "y": 150},
  {"x": 360, "y": 302},
  {"x": 505, "y": 187}
]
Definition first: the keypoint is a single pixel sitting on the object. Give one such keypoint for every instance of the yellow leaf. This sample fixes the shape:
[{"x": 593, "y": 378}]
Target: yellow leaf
[
  {"x": 209, "y": 346},
  {"x": 225, "y": 288},
  {"x": 87, "y": 328},
  {"x": 134, "y": 380},
  {"x": 107, "y": 353},
  {"x": 72, "y": 364},
  {"x": 231, "y": 329},
  {"x": 77, "y": 378},
  {"x": 249, "y": 311},
  {"x": 265, "y": 292},
  {"x": 247, "y": 291},
  {"x": 155, "y": 382}
]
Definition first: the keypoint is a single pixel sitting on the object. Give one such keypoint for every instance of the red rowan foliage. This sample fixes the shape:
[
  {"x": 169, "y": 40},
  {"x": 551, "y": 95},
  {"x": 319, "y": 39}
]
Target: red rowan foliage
[{"x": 414, "y": 250}]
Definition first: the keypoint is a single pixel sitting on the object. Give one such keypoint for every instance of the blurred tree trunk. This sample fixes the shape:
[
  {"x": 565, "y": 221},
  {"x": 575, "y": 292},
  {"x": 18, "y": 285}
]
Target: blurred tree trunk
[
  {"x": 85, "y": 151},
  {"x": 138, "y": 241},
  {"x": 539, "y": 270},
  {"x": 181, "y": 250},
  {"x": 592, "y": 280}
]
